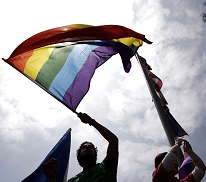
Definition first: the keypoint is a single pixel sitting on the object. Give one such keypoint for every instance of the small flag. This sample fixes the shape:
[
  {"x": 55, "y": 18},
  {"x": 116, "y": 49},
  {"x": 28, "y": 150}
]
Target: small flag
[
  {"x": 60, "y": 152},
  {"x": 144, "y": 62},
  {"x": 156, "y": 80}
]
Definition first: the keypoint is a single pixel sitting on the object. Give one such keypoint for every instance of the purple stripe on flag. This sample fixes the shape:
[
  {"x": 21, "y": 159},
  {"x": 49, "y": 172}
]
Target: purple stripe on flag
[
  {"x": 67, "y": 74},
  {"x": 81, "y": 84}
]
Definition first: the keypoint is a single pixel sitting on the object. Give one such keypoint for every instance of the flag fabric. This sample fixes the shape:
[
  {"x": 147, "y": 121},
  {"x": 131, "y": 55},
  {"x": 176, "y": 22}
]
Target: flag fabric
[
  {"x": 65, "y": 71},
  {"x": 61, "y": 152},
  {"x": 156, "y": 80},
  {"x": 81, "y": 32},
  {"x": 177, "y": 129},
  {"x": 144, "y": 62},
  {"x": 186, "y": 167}
]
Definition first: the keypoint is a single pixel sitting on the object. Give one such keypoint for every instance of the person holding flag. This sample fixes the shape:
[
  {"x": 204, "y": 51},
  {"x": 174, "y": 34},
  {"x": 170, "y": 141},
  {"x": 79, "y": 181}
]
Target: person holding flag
[
  {"x": 87, "y": 156},
  {"x": 167, "y": 167}
]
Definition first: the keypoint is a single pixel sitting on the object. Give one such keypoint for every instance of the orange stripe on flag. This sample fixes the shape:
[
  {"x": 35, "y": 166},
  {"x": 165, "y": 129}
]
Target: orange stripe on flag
[{"x": 20, "y": 60}]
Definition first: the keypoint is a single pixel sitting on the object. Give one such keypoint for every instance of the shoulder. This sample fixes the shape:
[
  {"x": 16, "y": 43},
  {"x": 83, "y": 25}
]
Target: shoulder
[
  {"x": 73, "y": 179},
  {"x": 109, "y": 160},
  {"x": 110, "y": 164}
]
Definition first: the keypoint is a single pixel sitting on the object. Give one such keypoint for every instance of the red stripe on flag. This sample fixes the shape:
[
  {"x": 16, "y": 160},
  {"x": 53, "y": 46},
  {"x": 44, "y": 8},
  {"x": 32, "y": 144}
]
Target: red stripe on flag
[
  {"x": 70, "y": 34},
  {"x": 156, "y": 80}
]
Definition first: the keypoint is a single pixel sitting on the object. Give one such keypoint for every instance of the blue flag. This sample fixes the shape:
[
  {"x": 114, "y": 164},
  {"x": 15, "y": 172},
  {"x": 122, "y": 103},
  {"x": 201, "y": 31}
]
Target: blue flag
[{"x": 61, "y": 152}]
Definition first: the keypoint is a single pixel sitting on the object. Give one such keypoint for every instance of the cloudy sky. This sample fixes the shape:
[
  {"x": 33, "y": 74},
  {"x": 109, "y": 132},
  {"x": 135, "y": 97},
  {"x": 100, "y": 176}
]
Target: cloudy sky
[{"x": 31, "y": 121}]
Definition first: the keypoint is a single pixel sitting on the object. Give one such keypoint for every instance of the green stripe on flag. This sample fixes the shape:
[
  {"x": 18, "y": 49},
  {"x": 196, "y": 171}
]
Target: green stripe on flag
[{"x": 53, "y": 65}]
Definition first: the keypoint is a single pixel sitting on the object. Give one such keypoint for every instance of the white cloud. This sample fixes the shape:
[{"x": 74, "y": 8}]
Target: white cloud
[{"x": 137, "y": 159}]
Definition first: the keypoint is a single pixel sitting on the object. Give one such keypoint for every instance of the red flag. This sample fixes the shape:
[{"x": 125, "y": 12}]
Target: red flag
[{"x": 156, "y": 80}]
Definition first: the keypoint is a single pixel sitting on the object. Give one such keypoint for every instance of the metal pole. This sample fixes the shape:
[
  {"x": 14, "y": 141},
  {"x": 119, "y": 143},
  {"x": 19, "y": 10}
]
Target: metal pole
[{"x": 164, "y": 120}]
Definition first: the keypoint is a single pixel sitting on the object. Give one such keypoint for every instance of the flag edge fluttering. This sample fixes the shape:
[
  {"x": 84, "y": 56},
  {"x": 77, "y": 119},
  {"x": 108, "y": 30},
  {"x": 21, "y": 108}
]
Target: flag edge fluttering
[{"x": 74, "y": 34}]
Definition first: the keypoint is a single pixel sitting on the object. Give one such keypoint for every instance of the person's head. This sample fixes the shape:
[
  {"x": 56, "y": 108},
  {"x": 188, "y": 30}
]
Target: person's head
[
  {"x": 86, "y": 151},
  {"x": 159, "y": 158}
]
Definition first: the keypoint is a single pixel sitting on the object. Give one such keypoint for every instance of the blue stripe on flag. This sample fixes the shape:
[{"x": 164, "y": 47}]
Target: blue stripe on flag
[{"x": 72, "y": 66}]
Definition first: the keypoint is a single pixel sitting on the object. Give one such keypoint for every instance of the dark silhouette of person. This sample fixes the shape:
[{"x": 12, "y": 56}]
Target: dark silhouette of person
[
  {"x": 167, "y": 167},
  {"x": 87, "y": 157}
]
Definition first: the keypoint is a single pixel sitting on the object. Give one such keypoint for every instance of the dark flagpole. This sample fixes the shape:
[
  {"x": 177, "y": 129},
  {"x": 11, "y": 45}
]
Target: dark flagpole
[{"x": 161, "y": 112}]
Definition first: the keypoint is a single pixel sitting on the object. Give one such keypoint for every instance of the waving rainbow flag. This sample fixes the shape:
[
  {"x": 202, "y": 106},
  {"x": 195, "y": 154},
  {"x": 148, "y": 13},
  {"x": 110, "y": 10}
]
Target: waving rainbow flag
[{"x": 65, "y": 71}]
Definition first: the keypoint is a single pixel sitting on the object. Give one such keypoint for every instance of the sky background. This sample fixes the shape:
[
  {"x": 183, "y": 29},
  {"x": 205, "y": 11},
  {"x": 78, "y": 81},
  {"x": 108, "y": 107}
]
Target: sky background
[{"x": 32, "y": 122}]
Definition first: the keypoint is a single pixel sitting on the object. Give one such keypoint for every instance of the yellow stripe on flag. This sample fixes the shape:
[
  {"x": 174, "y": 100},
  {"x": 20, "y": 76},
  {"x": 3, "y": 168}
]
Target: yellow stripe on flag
[
  {"x": 129, "y": 41},
  {"x": 37, "y": 60},
  {"x": 80, "y": 26}
]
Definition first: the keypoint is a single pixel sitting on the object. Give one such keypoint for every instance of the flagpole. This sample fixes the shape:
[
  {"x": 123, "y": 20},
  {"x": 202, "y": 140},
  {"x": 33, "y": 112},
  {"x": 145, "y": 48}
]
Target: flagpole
[
  {"x": 41, "y": 87},
  {"x": 161, "y": 112}
]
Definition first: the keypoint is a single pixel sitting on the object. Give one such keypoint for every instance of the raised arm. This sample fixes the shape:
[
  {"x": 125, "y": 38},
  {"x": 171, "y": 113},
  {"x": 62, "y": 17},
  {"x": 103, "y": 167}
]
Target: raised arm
[
  {"x": 195, "y": 158},
  {"x": 169, "y": 162},
  {"x": 199, "y": 171},
  {"x": 107, "y": 134},
  {"x": 176, "y": 148}
]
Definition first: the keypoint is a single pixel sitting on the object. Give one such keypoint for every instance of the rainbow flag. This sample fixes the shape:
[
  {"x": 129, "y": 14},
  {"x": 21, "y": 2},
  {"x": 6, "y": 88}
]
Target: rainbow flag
[{"x": 65, "y": 71}]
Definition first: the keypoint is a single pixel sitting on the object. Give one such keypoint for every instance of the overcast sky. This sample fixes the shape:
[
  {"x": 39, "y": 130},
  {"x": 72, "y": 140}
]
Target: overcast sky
[{"x": 31, "y": 121}]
